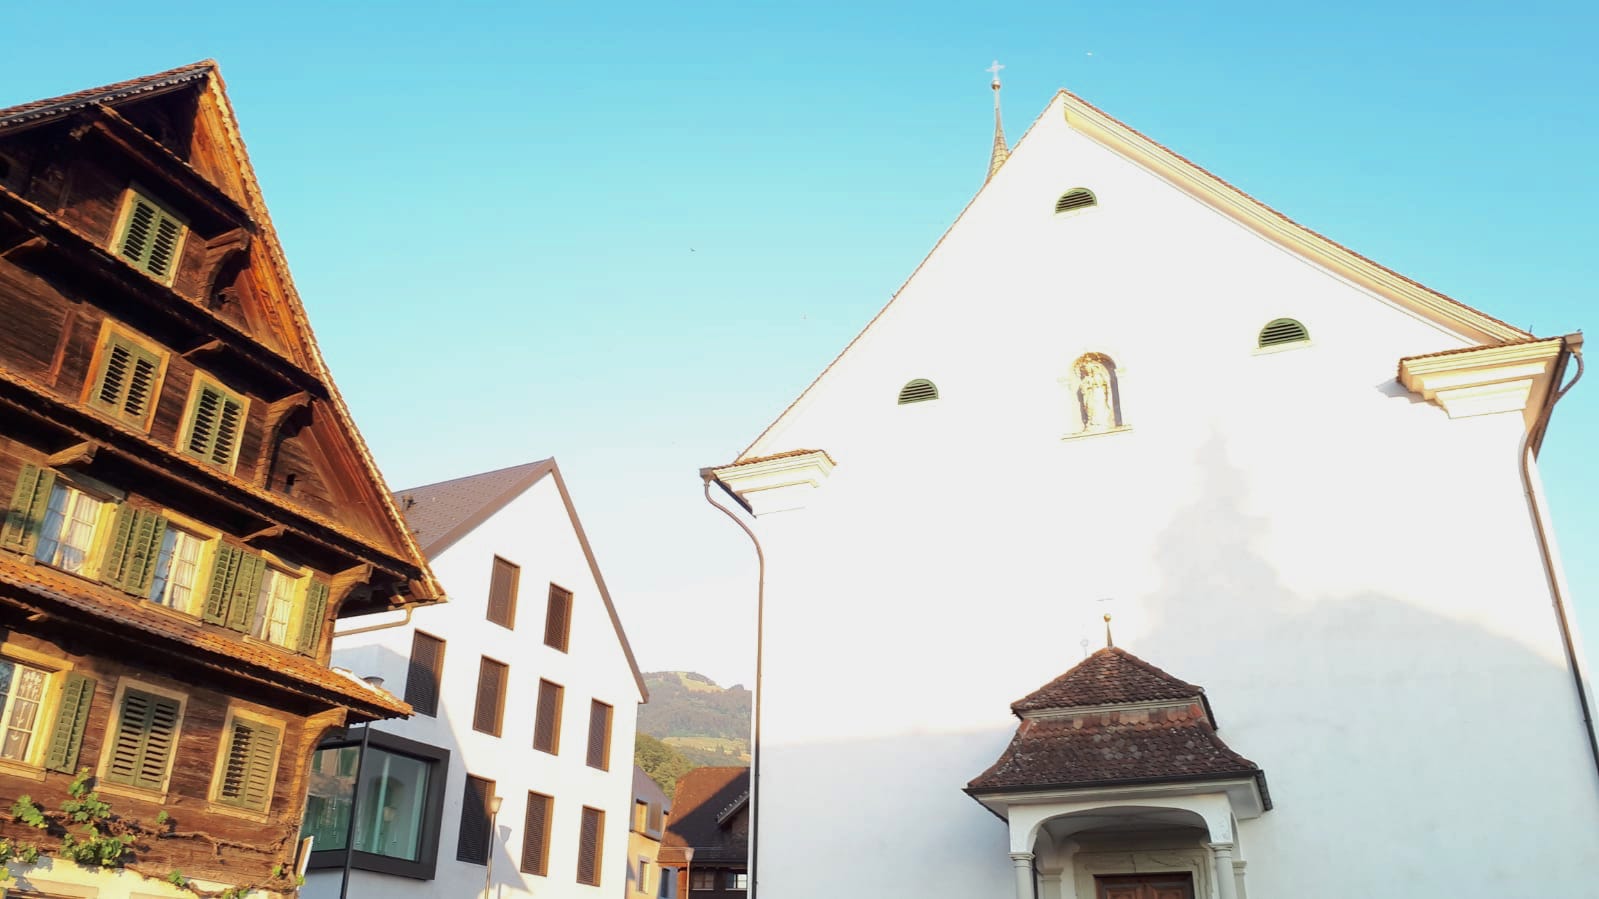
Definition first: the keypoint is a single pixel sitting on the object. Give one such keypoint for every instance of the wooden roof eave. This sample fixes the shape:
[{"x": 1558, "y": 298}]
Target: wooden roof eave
[{"x": 175, "y": 174}]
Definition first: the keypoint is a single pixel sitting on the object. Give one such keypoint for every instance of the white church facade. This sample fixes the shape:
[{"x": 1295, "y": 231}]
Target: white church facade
[{"x": 1303, "y": 487}]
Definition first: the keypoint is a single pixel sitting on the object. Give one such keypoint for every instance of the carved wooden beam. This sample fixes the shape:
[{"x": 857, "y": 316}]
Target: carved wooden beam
[
  {"x": 208, "y": 348},
  {"x": 157, "y": 160},
  {"x": 271, "y": 532},
  {"x": 276, "y": 414},
  {"x": 24, "y": 247},
  {"x": 80, "y": 454},
  {"x": 222, "y": 254}
]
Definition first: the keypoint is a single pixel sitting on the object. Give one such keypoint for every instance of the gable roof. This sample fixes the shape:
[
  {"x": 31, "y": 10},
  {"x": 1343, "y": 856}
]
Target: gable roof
[
  {"x": 1110, "y": 676},
  {"x": 441, "y": 514},
  {"x": 206, "y": 76},
  {"x": 698, "y": 821},
  {"x": 645, "y": 789},
  {"x": 1227, "y": 199}
]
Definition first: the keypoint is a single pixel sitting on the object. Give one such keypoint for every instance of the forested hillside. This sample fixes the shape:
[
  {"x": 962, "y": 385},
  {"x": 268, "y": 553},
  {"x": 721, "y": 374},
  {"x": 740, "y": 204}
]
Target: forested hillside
[{"x": 691, "y": 714}]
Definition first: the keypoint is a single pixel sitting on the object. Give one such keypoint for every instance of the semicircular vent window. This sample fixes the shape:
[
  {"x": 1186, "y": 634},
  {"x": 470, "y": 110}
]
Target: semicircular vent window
[
  {"x": 1075, "y": 199},
  {"x": 1282, "y": 331},
  {"x": 918, "y": 391}
]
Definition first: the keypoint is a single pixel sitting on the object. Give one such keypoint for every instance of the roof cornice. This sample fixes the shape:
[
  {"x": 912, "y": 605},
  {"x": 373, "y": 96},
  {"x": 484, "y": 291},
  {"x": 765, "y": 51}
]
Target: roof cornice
[{"x": 1483, "y": 380}]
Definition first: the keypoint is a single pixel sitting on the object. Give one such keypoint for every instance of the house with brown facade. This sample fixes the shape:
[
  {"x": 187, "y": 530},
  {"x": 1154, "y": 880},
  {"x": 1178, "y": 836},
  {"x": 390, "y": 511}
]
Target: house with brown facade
[
  {"x": 189, "y": 507},
  {"x": 707, "y": 838}
]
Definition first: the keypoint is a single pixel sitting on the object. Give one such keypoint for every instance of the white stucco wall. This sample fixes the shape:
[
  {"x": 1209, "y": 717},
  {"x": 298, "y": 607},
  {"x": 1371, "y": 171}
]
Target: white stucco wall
[
  {"x": 1350, "y": 574},
  {"x": 535, "y": 532}
]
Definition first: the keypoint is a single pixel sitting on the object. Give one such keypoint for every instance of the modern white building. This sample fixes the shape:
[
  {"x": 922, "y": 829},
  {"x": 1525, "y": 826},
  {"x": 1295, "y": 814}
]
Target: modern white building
[
  {"x": 1303, "y": 487},
  {"x": 514, "y": 777}
]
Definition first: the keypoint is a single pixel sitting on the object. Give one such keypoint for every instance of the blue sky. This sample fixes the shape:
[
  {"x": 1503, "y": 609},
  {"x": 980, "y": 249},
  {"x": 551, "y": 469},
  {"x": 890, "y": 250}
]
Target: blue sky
[{"x": 628, "y": 234}]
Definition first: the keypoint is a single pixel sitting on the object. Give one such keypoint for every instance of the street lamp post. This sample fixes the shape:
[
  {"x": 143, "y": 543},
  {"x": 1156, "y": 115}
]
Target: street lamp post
[{"x": 494, "y": 831}]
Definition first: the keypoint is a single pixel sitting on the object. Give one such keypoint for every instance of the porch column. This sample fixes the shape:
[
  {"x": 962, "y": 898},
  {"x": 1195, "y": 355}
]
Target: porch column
[
  {"x": 1022, "y": 863},
  {"x": 1221, "y": 856}
]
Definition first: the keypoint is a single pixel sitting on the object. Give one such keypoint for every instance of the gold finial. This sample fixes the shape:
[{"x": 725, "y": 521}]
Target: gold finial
[
  {"x": 1108, "y": 641},
  {"x": 1001, "y": 151}
]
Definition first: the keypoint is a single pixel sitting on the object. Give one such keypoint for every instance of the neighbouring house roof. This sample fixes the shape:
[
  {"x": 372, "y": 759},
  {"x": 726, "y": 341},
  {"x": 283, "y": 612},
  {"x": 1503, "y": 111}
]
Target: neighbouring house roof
[
  {"x": 700, "y": 819},
  {"x": 440, "y": 514},
  {"x": 645, "y": 789},
  {"x": 1114, "y": 719}
]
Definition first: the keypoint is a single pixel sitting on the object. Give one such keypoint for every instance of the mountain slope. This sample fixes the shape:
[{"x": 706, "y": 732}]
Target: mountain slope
[{"x": 709, "y": 725}]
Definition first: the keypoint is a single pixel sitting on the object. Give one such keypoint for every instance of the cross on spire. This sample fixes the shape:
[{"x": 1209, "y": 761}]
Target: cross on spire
[
  {"x": 994, "y": 70},
  {"x": 1001, "y": 150}
]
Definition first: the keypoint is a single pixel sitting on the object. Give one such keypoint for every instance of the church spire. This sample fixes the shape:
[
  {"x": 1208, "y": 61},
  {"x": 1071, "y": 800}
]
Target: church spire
[{"x": 1001, "y": 152}]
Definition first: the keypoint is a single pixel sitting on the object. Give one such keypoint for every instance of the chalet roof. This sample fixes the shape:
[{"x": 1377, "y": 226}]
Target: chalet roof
[
  {"x": 114, "y": 613},
  {"x": 440, "y": 514},
  {"x": 702, "y": 796},
  {"x": 1111, "y": 675},
  {"x": 15, "y": 116}
]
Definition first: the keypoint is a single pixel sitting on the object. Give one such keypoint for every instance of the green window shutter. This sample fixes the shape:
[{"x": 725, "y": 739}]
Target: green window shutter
[
  {"x": 247, "y": 769},
  {"x": 71, "y": 718},
  {"x": 118, "y": 551},
  {"x": 214, "y": 429},
  {"x": 115, "y": 373},
  {"x": 126, "y": 380},
  {"x": 26, "y": 515},
  {"x": 224, "y": 571},
  {"x": 312, "y": 619},
  {"x": 147, "y": 725},
  {"x": 150, "y": 238},
  {"x": 164, "y": 248},
  {"x": 246, "y": 593},
  {"x": 148, "y": 529}
]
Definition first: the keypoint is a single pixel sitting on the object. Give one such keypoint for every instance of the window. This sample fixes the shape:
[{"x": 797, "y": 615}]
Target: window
[
  {"x": 547, "y": 718},
  {"x": 275, "y": 606},
  {"x": 25, "y": 517},
  {"x": 599, "y": 735},
  {"x": 502, "y": 592},
  {"x": 737, "y": 880},
  {"x": 21, "y": 694},
  {"x": 558, "y": 619},
  {"x": 381, "y": 812},
  {"x": 214, "y": 423},
  {"x": 139, "y": 754},
  {"x": 249, "y": 764},
  {"x": 234, "y": 591},
  {"x": 475, "y": 840},
  {"x": 702, "y": 879},
  {"x": 918, "y": 391},
  {"x": 536, "y": 834},
  {"x": 150, "y": 237},
  {"x": 489, "y": 714},
  {"x": 643, "y": 874},
  {"x": 641, "y": 815},
  {"x": 1282, "y": 331},
  {"x": 127, "y": 378},
  {"x": 590, "y": 846},
  {"x": 67, "y": 535},
  {"x": 425, "y": 672},
  {"x": 177, "y": 570},
  {"x": 1077, "y": 198}
]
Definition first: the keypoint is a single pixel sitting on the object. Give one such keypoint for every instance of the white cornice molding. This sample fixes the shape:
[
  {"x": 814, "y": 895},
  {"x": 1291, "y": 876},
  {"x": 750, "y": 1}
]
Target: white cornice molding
[
  {"x": 1485, "y": 380},
  {"x": 779, "y": 483},
  {"x": 1242, "y": 794}
]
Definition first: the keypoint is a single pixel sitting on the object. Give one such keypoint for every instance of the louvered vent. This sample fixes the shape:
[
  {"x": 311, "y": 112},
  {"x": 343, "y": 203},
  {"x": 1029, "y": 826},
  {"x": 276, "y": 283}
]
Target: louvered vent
[
  {"x": 151, "y": 237},
  {"x": 918, "y": 391},
  {"x": 425, "y": 672},
  {"x": 1075, "y": 199},
  {"x": 1282, "y": 331}
]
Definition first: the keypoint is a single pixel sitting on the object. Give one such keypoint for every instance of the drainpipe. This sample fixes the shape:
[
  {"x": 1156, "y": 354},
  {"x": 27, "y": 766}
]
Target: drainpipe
[
  {"x": 1570, "y": 349},
  {"x": 707, "y": 475},
  {"x": 378, "y": 627}
]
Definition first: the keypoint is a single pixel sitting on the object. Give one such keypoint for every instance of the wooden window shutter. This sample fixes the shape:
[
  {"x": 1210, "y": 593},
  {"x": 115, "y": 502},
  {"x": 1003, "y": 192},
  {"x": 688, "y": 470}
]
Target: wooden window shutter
[
  {"x": 126, "y": 380},
  {"x": 246, "y": 592},
  {"x": 590, "y": 842},
  {"x": 26, "y": 515},
  {"x": 536, "y": 834},
  {"x": 66, "y": 739},
  {"x": 142, "y": 748},
  {"x": 135, "y": 547},
  {"x": 490, "y": 711},
  {"x": 215, "y": 426},
  {"x": 247, "y": 768},
  {"x": 558, "y": 619},
  {"x": 547, "y": 719},
  {"x": 314, "y": 617},
  {"x": 473, "y": 843},
  {"x": 599, "y": 735},
  {"x": 502, "y": 592},
  {"x": 224, "y": 572},
  {"x": 424, "y": 673},
  {"x": 150, "y": 238}
]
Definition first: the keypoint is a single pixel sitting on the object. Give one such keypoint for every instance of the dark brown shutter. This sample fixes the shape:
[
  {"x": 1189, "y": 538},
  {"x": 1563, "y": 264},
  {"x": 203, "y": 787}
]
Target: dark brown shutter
[
  {"x": 558, "y": 619},
  {"x": 502, "y": 592},
  {"x": 474, "y": 841},
  {"x": 590, "y": 842},
  {"x": 490, "y": 711},
  {"x": 599, "y": 735},
  {"x": 547, "y": 720},
  {"x": 424, "y": 674},
  {"x": 536, "y": 834}
]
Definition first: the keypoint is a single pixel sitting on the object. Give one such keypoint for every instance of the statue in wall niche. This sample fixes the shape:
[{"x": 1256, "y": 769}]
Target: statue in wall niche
[{"x": 1098, "y": 406}]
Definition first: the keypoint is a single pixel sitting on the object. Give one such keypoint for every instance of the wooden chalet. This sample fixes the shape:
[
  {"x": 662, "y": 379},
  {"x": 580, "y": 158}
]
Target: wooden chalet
[{"x": 191, "y": 508}]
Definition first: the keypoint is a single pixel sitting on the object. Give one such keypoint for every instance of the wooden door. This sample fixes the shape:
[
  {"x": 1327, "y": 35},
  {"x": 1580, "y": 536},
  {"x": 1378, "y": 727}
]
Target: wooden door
[{"x": 1145, "y": 886}]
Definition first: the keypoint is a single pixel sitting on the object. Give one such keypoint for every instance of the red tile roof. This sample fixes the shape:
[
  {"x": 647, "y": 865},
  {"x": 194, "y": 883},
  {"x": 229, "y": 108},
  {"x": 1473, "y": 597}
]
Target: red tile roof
[
  {"x": 702, "y": 796},
  {"x": 1111, "y": 675}
]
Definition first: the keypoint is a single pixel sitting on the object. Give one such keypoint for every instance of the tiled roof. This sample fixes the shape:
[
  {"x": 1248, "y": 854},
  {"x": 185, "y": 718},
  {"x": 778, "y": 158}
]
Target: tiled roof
[
  {"x": 440, "y": 514},
  {"x": 645, "y": 789},
  {"x": 1111, "y": 675},
  {"x": 1173, "y": 743},
  {"x": 702, "y": 796},
  {"x": 115, "y": 613},
  {"x": 39, "y": 109}
]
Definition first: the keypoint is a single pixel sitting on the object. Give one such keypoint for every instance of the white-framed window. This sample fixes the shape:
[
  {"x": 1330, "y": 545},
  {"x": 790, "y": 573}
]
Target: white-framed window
[
  {"x": 177, "y": 571},
  {"x": 70, "y": 522},
  {"x": 22, "y": 689},
  {"x": 275, "y": 608}
]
